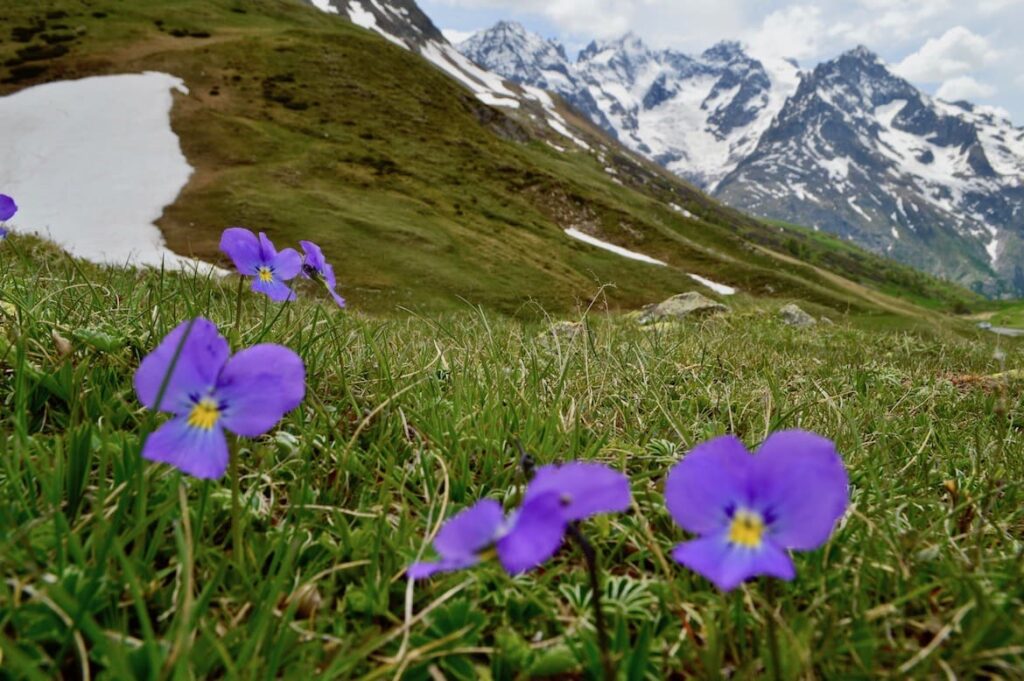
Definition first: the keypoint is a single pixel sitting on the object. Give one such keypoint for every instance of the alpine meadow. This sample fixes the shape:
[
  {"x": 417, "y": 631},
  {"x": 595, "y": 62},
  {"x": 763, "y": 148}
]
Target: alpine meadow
[{"x": 332, "y": 349}]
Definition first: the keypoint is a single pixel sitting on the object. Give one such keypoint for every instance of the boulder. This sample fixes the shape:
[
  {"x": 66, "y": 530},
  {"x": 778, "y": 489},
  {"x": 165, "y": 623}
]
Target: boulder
[
  {"x": 683, "y": 306},
  {"x": 562, "y": 333},
  {"x": 794, "y": 316}
]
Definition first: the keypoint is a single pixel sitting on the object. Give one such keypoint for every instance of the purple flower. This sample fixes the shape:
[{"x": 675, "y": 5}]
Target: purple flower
[
  {"x": 524, "y": 539},
  {"x": 750, "y": 510},
  {"x": 7, "y": 208},
  {"x": 208, "y": 392},
  {"x": 318, "y": 269},
  {"x": 585, "y": 488},
  {"x": 530, "y": 535},
  {"x": 257, "y": 258}
]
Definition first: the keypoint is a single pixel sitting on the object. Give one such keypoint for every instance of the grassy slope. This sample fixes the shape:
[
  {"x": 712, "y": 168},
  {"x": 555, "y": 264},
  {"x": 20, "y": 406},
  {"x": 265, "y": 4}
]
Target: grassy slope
[
  {"x": 410, "y": 420},
  {"x": 1010, "y": 315},
  {"x": 309, "y": 127}
]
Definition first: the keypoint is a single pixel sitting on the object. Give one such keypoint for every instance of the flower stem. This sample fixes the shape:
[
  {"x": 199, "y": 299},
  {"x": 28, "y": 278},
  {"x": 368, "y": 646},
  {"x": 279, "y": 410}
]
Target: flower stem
[
  {"x": 236, "y": 509},
  {"x": 238, "y": 310},
  {"x": 590, "y": 556},
  {"x": 773, "y": 630}
]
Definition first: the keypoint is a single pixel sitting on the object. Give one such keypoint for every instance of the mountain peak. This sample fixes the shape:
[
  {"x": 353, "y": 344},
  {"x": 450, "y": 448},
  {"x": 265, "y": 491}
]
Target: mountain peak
[
  {"x": 861, "y": 53},
  {"x": 506, "y": 26},
  {"x": 724, "y": 51},
  {"x": 628, "y": 43}
]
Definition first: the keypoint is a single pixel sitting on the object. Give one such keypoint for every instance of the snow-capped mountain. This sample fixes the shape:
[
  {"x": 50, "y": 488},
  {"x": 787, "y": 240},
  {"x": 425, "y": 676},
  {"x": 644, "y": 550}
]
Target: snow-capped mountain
[
  {"x": 848, "y": 148},
  {"x": 862, "y": 153},
  {"x": 697, "y": 115}
]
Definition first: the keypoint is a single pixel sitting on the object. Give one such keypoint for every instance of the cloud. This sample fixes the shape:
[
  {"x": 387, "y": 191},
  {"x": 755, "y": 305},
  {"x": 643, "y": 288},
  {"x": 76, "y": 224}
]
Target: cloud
[
  {"x": 964, "y": 87},
  {"x": 997, "y": 6},
  {"x": 958, "y": 52},
  {"x": 795, "y": 31}
]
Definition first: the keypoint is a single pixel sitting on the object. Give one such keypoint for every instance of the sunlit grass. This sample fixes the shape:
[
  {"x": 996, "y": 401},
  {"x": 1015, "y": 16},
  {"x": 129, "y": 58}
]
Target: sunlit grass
[{"x": 124, "y": 567}]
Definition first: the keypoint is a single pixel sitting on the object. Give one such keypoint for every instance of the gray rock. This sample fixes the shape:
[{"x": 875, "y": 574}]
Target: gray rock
[
  {"x": 562, "y": 333},
  {"x": 691, "y": 304},
  {"x": 794, "y": 316}
]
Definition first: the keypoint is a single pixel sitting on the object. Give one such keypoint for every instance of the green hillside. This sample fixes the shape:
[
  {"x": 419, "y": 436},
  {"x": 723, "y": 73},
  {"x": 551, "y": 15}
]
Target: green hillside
[{"x": 305, "y": 126}]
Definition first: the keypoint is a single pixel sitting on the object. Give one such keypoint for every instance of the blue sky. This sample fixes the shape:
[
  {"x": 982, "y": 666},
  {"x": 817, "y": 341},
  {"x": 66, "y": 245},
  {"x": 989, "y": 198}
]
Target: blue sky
[{"x": 957, "y": 49}]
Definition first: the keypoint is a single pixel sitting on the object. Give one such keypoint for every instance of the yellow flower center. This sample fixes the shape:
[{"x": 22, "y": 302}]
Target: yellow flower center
[
  {"x": 265, "y": 274},
  {"x": 204, "y": 415},
  {"x": 747, "y": 529}
]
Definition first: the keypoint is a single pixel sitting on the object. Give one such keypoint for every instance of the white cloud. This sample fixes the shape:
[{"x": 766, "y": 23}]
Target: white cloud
[
  {"x": 997, "y": 6},
  {"x": 958, "y": 52},
  {"x": 795, "y": 31},
  {"x": 964, "y": 87}
]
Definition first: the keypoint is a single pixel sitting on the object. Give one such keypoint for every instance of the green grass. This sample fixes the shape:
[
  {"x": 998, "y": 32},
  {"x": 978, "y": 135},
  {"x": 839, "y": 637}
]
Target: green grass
[
  {"x": 306, "y": 126},
  {"x": 1011, "y": 315},
  {"x": 126, "y": 568},
  {"x": 886, "y": 275}
]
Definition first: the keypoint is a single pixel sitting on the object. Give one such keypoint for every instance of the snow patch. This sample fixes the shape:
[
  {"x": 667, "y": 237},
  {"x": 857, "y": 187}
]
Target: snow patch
[
  {"x": 682, "y": 211},
  {"x": 554, "y": 119},
  {"x": 94, "y": 162},
  {"x": 488, "y": 88},
  {"x": 612, "y": 248},
  {"x": 993, "y": 250},
  {"x": 721, "y": 289},
  {"x": 853, "y": 204},
  {"x": 838, "y": 168},
  {"x": 325, "y": 6},
  {"x": 360, "y": 16}
]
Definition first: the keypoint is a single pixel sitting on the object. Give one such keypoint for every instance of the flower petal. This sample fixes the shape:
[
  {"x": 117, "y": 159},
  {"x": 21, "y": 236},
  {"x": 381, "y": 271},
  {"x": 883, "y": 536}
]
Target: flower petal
[
  {"x": 802, "y": 488},
  {"x": 202, "y": 355},
  {"x": 8, "y": 208},
  {"x": 258, "y": 386},
  {"x": 471, "y": 530},
  {"x": 585, "y": 488},
  {"x": 425, "y": 570},
  {"x": 710, "y": 481},
  {"x": 275, "y": 289},
  {"x": 728, "y": 566},
  {"x": 267, "y": 250},
  {"x": 537, "y": 531},
  {"x": 314, "y": 256},
  {"x": 287, "y": 264},
  {"x": 331, "y": 283},
  {"x": 200, "y": 453},
  {"x": 242, "y": 246}
]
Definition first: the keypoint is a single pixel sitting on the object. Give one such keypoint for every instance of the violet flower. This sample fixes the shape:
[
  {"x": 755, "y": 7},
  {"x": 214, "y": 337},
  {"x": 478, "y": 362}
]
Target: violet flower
[
  {"x": 533, "y": 533},
  {"x": 749, "y": 510},
  {"x": 8, "y": 208},
  {"x": 316, "y": 267},
  {"x": 256, "y": 257},
  {"x": 209, "y": 392}
]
